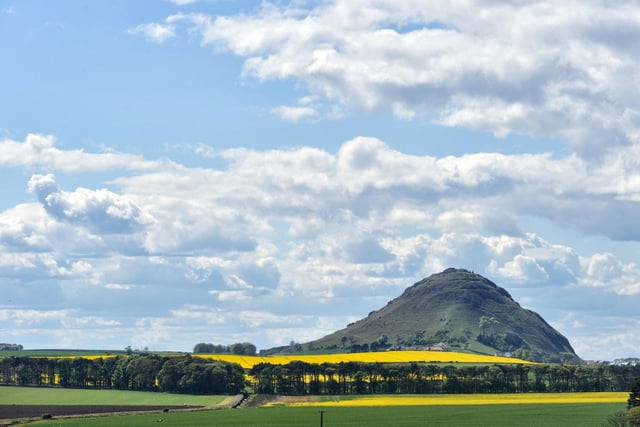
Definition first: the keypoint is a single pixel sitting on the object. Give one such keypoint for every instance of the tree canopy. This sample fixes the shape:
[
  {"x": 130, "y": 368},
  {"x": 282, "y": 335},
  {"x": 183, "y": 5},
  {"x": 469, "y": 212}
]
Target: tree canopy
[
  {"x": 634, "y": 396},
  {"x": 146, "y": 372},
  {"x": 243, "y": 348}
]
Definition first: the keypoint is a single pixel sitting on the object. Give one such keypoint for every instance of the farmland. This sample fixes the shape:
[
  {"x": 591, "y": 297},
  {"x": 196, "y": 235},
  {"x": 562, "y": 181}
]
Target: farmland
[
  {"x": 32, "y": 402},
  {"x": 456, "y": 399},
  {"x": 514, "y": 409},
  {"x": 248, "y": 362},
  {"x": 388, "y": 372},
  {"x": 352, "y": 389},
  {"x": 89, "y": 354},
  {"x": 531, "y": 409},
  {"x": 62, "y": 396},
  {"x": 558, "y": 415}
]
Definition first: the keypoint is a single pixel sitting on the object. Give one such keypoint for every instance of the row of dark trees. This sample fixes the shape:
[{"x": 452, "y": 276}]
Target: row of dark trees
[
  {"x": 634, "y": 396},
  {"x": 300, "y": 378},
  {"x": 240, "y": 348},
  {"x": 148, "y": 372},
  {"x": 193, "y": 375}
]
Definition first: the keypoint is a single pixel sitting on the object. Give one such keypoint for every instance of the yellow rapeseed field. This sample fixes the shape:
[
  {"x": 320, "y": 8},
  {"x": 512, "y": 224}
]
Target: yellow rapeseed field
[
  {"x": 88, "y": 357},
  {"x": 463, "y": 399},
  {"x": 248, "y": 362}
]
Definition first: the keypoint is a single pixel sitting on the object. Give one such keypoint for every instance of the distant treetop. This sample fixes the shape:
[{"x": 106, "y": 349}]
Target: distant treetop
[{"x": 245, "y": 348}]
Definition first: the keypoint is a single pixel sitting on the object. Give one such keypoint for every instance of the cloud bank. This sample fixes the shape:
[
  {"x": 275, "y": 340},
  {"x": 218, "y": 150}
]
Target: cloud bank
[
  {"x": 276, "y": 226},
  {"x": 563, "y": 70}
]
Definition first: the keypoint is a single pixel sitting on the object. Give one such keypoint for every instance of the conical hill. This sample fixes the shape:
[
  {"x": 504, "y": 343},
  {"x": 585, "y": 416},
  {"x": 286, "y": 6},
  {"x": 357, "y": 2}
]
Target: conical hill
[{"x": 458, "y": 310}]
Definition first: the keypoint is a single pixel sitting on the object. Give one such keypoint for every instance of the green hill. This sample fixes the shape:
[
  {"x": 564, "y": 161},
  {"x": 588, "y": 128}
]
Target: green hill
[{"x": 455, "y": 309}]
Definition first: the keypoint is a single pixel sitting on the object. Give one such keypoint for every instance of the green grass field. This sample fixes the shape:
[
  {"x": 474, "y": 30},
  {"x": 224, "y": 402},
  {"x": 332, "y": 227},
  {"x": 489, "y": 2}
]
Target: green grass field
[
  {"x": 520, "y": 415},
  {"x": 79, "y": 353},
  {"x": 10, "y": 395},
  {"x": 578, "y": 415},
  {"x": 59, "y": 353}
]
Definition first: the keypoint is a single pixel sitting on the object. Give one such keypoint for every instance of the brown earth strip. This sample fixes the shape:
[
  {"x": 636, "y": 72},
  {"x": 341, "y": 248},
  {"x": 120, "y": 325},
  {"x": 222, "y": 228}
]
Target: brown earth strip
[
  {"x": 30, "y": 411},
  {"x": 12, "y": 414},
  {"x": 263, "y": 399}
]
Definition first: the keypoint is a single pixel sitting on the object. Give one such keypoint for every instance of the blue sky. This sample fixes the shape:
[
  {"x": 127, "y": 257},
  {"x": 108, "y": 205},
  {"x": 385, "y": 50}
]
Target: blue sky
[{"x": 177, "y": 172}]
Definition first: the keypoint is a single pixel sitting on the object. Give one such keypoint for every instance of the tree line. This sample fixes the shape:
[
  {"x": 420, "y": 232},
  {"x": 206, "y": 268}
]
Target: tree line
[
  {"x": 146, "y": 372},
  {"x": 193, "y": 375},
  {"x": 240, "y": 348},
  {"x": 300, "y": 378}
]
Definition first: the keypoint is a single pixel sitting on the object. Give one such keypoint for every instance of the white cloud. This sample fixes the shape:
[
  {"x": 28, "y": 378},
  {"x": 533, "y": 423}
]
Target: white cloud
[
  {"x": 367, "y": 188},
  {"x": 199, "y": 313},
  {"x": 183, "y": 2},
  {"x": 31, "y": 317},
  {"x": 117, "y": 287},
  {"x": 364, "y": 184},
  {"x": 294, "y": 114},
  {"x": 158, "y": 33},
  {"x": 101, "y": 210},
  {"x": 40, "y": 151},
  {"x": 609, "y": 331},
  {"x": 65, "y": 318},
  {"x": 563, "y": 69},
  {"x": 605, "y": 270},
  {"x": 524, "y": 269},
  {"x": 258, "y": 319},
  {"x": 24, "y": 228},
  {"x": 24, "y": 267}
]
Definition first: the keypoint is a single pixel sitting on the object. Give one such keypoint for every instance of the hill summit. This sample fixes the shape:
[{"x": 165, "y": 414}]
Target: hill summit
[{"x": 458, "y": 310}]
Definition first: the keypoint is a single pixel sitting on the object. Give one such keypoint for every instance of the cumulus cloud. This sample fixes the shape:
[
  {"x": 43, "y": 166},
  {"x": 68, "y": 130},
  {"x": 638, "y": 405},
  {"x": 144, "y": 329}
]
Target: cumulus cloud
[
  {"x": 606, "y": 270},
  {"x": 40, "y": 151},
  {"x": 366, "y": 178},
  {"x": 24, "y": 229},
  {"x": 333, "y": 211},
  {"x": 564, "y": 69},
  {"x": 101, "y": 210},
  {"x": 35, "y": 266}
]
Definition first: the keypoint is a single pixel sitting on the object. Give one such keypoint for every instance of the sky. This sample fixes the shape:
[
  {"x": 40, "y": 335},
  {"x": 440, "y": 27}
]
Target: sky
[{"x": 176, "y": 172}]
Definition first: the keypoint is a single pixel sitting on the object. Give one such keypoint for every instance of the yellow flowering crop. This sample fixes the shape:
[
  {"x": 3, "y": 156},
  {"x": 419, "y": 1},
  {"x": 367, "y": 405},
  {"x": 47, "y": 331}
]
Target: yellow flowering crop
[
  {"x": 465, "y": 399},
  {"x": 87, "y": 357},
  {"x": 248, "y": 362}
]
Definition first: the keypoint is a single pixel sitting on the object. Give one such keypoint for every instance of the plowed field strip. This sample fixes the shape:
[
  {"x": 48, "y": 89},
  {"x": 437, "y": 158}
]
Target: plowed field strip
[{"x": 30, "y": 411}]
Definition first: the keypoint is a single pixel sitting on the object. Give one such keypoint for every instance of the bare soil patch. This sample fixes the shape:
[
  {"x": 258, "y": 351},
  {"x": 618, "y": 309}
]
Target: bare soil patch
[
  {"x": 13, "y": 412},
  {"x": 263, "y": 399},
  {"x": 260, "y": 399},
  {"x": 298, "y": 399}
]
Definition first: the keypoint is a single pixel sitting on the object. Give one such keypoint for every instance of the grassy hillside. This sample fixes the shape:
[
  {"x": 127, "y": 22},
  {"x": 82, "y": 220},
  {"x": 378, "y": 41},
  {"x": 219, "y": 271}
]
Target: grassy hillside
[
  {"x": 79, "y": 353},
  {"x": 59, "y": 353}
]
